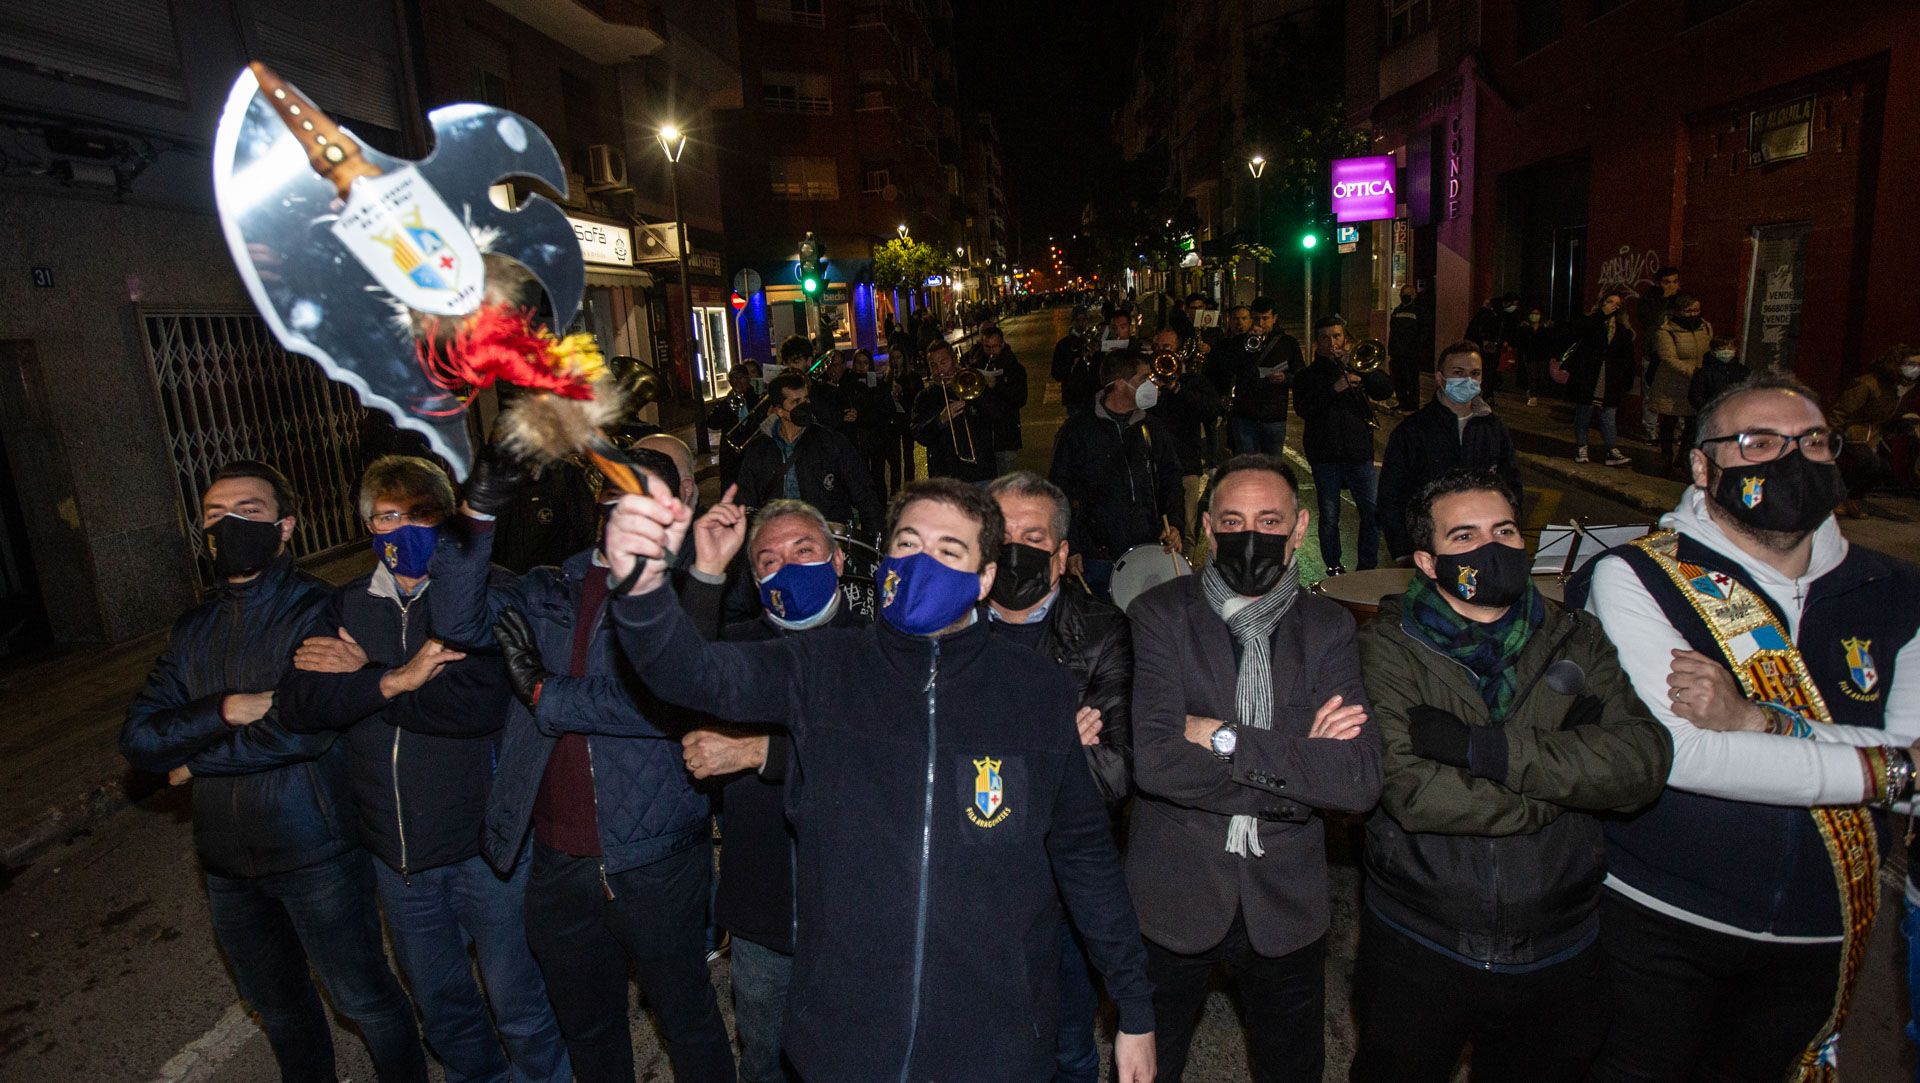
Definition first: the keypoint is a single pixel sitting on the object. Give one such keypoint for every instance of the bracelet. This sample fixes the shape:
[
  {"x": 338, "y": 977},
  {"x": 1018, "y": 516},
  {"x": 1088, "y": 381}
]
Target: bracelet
[
  {"x": 1783, "y": 721},
  {"x": 1899, "y": 775},
  {"x": 1875, "y": 765}
]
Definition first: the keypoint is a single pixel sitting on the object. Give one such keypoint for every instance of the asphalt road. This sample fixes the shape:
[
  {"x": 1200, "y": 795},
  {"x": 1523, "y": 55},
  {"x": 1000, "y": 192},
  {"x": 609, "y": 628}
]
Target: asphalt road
[{"x": 108, "y": 969}]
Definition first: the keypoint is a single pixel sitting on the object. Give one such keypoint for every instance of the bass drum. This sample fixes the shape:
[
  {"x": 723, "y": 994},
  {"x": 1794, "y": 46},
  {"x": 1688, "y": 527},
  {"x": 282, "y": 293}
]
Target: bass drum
[{"x": 1142, "y": 568}]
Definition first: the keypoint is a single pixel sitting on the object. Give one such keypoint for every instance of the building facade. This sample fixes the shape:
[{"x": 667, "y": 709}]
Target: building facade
[
  {"x": 848, "y": 130},
  {"x": 1563, "y": 148}
]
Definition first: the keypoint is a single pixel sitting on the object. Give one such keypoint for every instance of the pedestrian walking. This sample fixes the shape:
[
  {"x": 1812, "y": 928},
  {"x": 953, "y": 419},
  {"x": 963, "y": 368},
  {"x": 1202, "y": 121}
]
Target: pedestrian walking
[{"x": 1600, "y": 374}]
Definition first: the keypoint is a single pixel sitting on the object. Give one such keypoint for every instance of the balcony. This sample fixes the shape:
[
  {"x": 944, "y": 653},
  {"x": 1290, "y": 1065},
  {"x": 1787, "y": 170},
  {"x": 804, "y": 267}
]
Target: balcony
[{"x": 603, "y": 31}]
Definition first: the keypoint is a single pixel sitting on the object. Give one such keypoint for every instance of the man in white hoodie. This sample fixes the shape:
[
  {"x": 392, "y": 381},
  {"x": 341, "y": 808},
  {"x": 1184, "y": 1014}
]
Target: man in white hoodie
[{"x": 1784, "y": 663}]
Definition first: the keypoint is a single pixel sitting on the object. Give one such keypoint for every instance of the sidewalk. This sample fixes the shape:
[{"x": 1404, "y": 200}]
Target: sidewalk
[
  {"x": 60, "y": 716},
  {"x": 1543, "y": 435}
]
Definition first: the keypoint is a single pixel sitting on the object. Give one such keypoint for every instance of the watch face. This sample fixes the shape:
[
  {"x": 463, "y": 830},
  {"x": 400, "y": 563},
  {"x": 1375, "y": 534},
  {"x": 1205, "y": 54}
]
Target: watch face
[{"x": 1223, "y": 741}]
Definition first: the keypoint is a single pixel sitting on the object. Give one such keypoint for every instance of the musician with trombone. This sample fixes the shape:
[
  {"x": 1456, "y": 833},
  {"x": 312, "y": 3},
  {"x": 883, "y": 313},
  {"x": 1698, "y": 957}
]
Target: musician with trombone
[
  {"x": 1076, "y": 362},
  {"x": 1334, "y": 395},
  {"x": 1257, "y": 371},
  {"x": 738, "y": 416},
  {"x": 955, "y": 418},
  {"x": 1187, "y": 408},
  {"x": 1006, "y": 381},
  {"x": 1121, "y": 472},
  {"x": 800, "y": 459}
]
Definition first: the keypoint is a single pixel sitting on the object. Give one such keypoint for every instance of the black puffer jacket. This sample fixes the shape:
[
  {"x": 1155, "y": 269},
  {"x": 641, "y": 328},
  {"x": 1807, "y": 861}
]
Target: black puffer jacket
[
  {"x": 265, "y": 800},
  {"x": 422, "y": 763},
  {"x": 1429, "y": 443},
  {"x": 1506, "y": 873},
  {"x": 1122, "y": 477}
]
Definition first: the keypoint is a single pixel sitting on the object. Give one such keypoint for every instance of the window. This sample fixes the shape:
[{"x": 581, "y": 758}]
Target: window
[
  {"x": 788, "y": 92},
  {"x": 953, "y": 180},
  {"x": 492, "y": 64},
  {"x": 799, "y": 12},
  {"x": 876, "y": 180},
  {"x": 1539, "y": 25},
  {"x": 123, "y": 43},
  {"x": 1405, "y": 18},
  {"x": 805, "y": 177},
  {"x": 712, "y": 353}
]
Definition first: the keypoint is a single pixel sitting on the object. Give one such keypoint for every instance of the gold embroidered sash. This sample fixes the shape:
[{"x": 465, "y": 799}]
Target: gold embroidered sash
[{"x": 1756, "y": 647}]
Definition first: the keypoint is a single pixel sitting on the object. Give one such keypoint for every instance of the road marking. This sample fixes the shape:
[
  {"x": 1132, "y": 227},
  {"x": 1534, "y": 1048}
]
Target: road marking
[{"x": 199, "y": 1059}]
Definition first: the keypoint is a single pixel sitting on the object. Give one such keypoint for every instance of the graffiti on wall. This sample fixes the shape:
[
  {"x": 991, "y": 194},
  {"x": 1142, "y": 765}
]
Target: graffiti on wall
[{"x": 1629, "y": 270}]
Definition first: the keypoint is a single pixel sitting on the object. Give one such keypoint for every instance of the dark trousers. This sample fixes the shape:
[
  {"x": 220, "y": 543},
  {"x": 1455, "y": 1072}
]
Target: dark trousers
[
  {"x": 271, "y": 927},
  {"x": 1363, "y": 481},
  {"x": 1406, "y": 380},
  {"x": 656, "y": 920},
  {"x": 1704, "y": 1007},
  {"x": 1285, "y": 1000},
  {"x": 1417, "y": 1010}
]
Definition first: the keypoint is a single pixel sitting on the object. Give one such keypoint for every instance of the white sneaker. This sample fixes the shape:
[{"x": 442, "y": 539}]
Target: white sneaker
[
  {"x": 1579, "y": 454},
  {"x": 1616, "y": 457}
]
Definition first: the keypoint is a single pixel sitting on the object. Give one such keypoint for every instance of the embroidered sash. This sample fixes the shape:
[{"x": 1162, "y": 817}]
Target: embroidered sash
[{"x": 1771, "y": 671}]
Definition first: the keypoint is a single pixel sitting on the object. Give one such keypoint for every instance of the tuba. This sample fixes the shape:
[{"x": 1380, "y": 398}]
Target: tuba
[{"x": 1367, "y": 357}]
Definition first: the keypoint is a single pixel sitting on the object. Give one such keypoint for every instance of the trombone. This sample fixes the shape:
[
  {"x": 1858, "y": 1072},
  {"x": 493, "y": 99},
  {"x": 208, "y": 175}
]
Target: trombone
[
  {"x": 966, "y": 384},
  {"x": 1366, "y": 357}
]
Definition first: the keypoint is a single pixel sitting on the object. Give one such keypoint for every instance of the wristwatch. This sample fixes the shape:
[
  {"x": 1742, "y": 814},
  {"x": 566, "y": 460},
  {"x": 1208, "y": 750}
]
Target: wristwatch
[{"x": 1224, "y": 739}]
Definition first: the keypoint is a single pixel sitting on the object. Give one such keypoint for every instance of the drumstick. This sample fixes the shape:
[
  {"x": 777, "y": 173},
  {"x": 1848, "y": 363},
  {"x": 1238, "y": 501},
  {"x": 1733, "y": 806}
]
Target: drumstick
[{"x": 1172, "y": 557}]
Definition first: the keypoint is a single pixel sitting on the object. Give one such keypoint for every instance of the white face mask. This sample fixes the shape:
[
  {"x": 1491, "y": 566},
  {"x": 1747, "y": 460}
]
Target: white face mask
[
  {"x": 1146, "y": 395},
  {"x": 1723, "y": 355},
  {"x": 1910, "y": 373}
]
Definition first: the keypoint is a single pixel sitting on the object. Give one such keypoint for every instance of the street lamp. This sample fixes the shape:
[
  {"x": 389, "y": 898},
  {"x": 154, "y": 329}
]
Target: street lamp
[
  {"x": 673, "y": 142},
  {"x": 1256, "y": 165},
  {"x": 901, "y": 229}
]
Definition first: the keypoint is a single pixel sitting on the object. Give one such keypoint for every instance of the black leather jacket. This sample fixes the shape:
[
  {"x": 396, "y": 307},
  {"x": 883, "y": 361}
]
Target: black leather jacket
[
  {"x": 265, "y": 799},
  {"x": 1092, "y": 640}
]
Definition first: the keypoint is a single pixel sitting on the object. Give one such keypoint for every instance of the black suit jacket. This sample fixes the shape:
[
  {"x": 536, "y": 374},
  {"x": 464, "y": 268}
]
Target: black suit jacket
[{"x": 1185, "y": 884}]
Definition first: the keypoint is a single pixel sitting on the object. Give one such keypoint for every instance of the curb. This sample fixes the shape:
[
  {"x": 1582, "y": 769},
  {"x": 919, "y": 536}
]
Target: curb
[
  {"x": 1615, "y": 484},
  {"x": 28, "y": 840}
]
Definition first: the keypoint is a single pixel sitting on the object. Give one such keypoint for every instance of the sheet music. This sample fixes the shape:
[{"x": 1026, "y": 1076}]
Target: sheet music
[{"x": 1583, "y": 541}]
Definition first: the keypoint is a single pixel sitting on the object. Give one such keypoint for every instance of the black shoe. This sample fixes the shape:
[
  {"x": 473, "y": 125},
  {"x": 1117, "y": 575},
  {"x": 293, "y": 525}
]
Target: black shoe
[{"x": 1335, "y": 569}]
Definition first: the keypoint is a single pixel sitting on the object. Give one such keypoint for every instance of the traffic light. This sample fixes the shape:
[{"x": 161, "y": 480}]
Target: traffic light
[
  {"x": 1309, "y": 240},
  {"x": 812, "y": 264}
]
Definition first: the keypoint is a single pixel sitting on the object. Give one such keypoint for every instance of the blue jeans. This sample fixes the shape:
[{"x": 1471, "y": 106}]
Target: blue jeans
[
  {"x": 1360, "y": 480},
  {"x": 1264, "y": 437},
  {"x": 271, "y": 927},
  {"x": 1076, "y": 1053},
  {"x": 435, "y": 916},
  {"x": 760, "y": 979},
  {"x": 1609, "y": 424}
]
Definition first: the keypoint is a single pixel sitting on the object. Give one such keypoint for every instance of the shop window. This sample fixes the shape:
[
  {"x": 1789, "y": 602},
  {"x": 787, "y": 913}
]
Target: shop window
[
  {"x": 805, "y": 177},
  {"x": 1405, "y": 18},
  {"x": 712, "y": 353},
  {"x": 1539, "y": 25}
]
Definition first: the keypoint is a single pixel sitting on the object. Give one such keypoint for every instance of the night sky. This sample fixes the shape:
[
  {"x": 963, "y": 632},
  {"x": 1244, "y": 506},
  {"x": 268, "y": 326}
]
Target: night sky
[{"x": 1052, "y": 73}]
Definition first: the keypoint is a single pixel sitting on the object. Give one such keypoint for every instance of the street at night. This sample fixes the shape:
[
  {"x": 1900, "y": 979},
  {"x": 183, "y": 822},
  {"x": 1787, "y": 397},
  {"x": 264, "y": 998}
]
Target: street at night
[{"x": 794, "y": 541}]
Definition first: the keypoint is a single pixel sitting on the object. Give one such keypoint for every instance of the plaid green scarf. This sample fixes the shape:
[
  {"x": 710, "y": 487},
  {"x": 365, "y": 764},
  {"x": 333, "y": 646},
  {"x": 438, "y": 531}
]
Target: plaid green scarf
[{"x": 1490, "y": 651}]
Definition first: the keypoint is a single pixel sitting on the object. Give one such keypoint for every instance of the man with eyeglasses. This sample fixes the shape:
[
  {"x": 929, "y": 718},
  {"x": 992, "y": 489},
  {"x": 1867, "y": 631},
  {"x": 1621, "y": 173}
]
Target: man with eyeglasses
[
  {"x": 1783, "y": 662},
  {"x": 421, "y": 723}
]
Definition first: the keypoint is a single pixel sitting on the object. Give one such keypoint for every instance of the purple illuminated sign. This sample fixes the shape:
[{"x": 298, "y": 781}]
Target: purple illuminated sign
[{"x": 1363, "y": 189}]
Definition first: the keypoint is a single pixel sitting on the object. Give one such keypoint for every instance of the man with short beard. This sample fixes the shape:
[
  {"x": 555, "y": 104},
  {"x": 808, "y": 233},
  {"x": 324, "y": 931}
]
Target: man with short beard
[{"x": 1783, "y": 662}]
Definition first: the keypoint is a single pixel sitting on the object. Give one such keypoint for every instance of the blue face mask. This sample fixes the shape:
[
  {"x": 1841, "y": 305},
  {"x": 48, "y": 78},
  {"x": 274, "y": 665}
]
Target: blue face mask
[
  {"x": 798, "y": 592},
  {"x": 919, "y": 595},
  {"x": 1461, "y": 389},
  {"x": 407, "y": 550}
]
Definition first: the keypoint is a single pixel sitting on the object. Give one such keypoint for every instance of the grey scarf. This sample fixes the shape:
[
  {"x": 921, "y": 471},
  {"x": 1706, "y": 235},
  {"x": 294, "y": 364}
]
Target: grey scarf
[{"x": 1252, "y": 625}]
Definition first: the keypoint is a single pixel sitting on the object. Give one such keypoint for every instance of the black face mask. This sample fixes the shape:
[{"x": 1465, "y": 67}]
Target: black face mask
[
  {"x": 241, "y": 546},
  {"x": 1791, "y": 494},
  {"x": 1025, "y": 577},
  {"x": 1494, "y": 575},
  {"x": 1686, "y": 323},
  {"x": 1250, "y": 562},
  {"x": 801, "y": 415}
]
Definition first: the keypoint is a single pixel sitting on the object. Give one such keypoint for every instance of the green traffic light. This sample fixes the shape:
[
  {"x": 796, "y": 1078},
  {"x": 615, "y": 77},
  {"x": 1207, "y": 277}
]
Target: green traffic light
[
  {"x": 810, "y": 284},
  {"x": 1308, "y": 240}
]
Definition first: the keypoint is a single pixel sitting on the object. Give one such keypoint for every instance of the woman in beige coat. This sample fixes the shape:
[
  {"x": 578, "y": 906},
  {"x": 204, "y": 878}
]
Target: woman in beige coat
[{"x": 1681, "y": 343}]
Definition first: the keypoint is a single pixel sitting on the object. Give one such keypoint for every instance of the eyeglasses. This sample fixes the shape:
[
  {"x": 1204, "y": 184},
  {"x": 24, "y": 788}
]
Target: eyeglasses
[
  {"x": 391, "y": 520},
  {"x": 1819, "y": 445}
]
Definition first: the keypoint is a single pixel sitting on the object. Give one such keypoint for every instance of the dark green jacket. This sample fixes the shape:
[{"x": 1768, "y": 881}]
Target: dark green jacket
[{"x": 1504, "y": 875}]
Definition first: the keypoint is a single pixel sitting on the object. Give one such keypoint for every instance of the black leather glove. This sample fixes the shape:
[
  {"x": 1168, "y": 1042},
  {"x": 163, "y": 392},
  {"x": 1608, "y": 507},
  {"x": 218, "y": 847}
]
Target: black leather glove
[
  {"x": 1438, "y": 735},
  {"x": 522, "y": 656},
  {"x": 1584, "y": 711},
  {"x": 496, "y": 477}
]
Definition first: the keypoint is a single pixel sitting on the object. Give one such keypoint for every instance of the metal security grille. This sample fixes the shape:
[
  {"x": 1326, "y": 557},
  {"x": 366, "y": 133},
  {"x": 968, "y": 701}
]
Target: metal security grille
[{"x": 228, "y": 391}]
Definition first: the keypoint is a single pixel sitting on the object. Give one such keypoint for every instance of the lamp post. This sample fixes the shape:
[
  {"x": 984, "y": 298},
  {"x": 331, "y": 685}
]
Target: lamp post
[
  {"x": 674, "y": 141},
  {"x": 1256, "y": 165}
]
